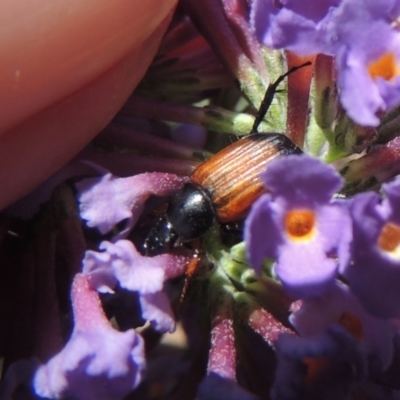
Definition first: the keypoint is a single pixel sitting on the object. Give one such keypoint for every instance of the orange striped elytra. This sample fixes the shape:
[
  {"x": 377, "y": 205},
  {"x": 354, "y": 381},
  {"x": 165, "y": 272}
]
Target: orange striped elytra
[{"x": 231, "y": 177}]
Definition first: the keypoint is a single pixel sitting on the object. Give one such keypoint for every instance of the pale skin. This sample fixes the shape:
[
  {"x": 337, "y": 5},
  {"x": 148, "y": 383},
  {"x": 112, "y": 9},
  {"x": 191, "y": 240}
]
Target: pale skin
[{"x": 66, "y": 67}]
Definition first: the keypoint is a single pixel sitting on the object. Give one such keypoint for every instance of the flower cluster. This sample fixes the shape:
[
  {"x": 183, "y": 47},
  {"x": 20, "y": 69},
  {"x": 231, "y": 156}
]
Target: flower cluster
[
  {"x": 99, "y": 361},
  {"x": 335, "y": 255},
  {"x": 102, "y": 266},
  {"x": 361, "y": 34},
  {"x": 308, "y": 233}
]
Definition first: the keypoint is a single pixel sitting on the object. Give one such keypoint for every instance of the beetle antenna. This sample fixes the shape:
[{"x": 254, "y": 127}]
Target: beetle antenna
[{"x": 269, "y": 95}]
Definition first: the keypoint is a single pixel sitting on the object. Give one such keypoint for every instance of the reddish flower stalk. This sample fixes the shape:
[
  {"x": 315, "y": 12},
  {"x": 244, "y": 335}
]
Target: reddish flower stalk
[
  {"x": 298, "y": 95},
  {"x": 178, "y": 37},
  {"x": 222, "y": 356},
  {"x": 213, "y": 118},
  {"x": 125, "y": 164},
  {"x": 236, "y": 12},
  {"x": 266, "y": 325},
  {"x": 209, "y": 16},
  {"x": 325, "y": 91},
  {"x": 131, "y": 138}
]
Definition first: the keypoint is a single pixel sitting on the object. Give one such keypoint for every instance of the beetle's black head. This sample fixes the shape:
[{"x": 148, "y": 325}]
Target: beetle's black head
[{"x": 190, "y": 215}]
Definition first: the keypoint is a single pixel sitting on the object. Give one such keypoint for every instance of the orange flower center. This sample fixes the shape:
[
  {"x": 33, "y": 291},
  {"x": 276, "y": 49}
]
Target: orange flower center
[
  {"x": 300, "y": 224},
  {"x": 385, "y": 67},
  {"x": 314, "y": 367},
  {"x": 389, "y": 239},
  {"x": 352, "y": 324}
]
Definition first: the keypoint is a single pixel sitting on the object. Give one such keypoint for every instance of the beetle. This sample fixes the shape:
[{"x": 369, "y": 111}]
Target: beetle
[{"x": 223, "y": 188}]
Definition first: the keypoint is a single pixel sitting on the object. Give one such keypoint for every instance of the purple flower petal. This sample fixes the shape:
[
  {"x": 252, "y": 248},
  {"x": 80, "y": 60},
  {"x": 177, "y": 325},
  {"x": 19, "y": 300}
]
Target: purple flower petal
[
  {"x": 351, "y": 30},
  {"x": 132, "y": 270},
  {"x": 122, "y": 263},
  {"x": 157, "y": 310},
  {"x": 305, "y": 270},
  {"x": 301, "y": 180},
  {"x": 300, "y": 225},
  {"x": 374, "y": 274},
  {"x": 261, "y": 220},
  {"x": 318, "y": 367},
  {"x": 354, "y": 75},
  {"x": 292, "y": 25},
  {"x": 339, "y": 305},
  {"x": 392, "y": 191},
  {"x": 216, "y": 387},
  {"x": 98, "y": 362},
  {"x": 97, "y": 268},
  {"x": 108, "y": 200},
  {"x": 378, "y": 93}
]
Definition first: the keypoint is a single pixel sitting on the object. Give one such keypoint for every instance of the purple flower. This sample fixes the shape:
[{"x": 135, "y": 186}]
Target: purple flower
[
  {"x": 121, "y": 263},
  {"x": 339, "y": 305},
  {"x": 108, "y": 200},
  {"x": 217, "y": 387},
  {"x": 299, "y": 26},
  {"x": 360, "y": 33},
  {"x": 374, "y": 274},
  {"x": 318, "y": 367},
  {"x": 98, "y": 362},
  {"x": 299, "y": 225}
]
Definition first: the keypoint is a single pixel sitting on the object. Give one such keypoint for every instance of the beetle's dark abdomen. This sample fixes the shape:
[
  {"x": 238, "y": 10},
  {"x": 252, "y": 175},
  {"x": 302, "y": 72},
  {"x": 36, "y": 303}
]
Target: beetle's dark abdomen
[
  {"x": 189, "y": 215},
  {"x": 231, "y": 177}
]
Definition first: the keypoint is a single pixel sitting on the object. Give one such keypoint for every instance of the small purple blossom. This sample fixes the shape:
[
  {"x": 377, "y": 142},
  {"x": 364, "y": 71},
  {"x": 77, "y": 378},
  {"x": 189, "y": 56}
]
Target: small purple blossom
[
  {"x": 296, "y": 25},
  {"x": 318, "y": 367},
  {"x": 362, "y": 36},
  {"x": 216, "y": 387},
  {"x": 121, "y": 263},
  {"x": 98, "y": 362},
  {"x": 108, "y": 200},
  {"x": 374, "y": 274},
  {"x": 339, "y": 305},
  {"x": 299, "y": 225}
]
